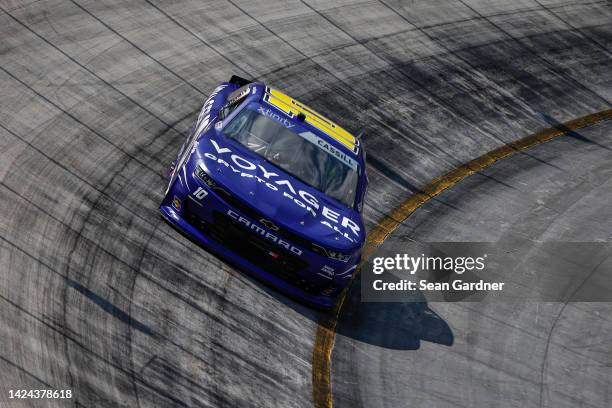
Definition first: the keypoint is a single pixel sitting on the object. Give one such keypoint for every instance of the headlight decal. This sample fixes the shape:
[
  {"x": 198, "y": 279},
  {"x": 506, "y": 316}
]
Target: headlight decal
[{"x": 329, "y": 253}]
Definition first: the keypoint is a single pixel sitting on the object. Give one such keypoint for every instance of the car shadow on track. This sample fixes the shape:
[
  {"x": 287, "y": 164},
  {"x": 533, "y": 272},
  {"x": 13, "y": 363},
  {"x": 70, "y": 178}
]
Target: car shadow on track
[{"x": 392, "y": 325}]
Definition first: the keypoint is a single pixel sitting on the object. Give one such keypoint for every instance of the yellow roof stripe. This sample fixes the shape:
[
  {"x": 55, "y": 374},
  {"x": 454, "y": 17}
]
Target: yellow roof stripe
[{"x": 291, "y": 107}]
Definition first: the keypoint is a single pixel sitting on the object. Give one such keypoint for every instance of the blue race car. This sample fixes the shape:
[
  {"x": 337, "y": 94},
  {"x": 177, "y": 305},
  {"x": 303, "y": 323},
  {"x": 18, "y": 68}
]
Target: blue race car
[{"x": 273, "y": 187}]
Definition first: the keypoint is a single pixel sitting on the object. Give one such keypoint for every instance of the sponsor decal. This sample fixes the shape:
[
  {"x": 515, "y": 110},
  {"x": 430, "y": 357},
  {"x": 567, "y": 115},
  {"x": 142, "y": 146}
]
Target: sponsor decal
[
  {"x": 327, "y": 269},
  {"x": 269, "y": 113},
  {"x": 344, "y": 226},
  {"x": 263, "y": 232},
  {"x": 176, "y": 203}
]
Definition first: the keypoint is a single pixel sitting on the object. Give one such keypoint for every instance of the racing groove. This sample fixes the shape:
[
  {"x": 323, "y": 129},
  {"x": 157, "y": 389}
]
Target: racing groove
[{"x": 100, "y": 296}]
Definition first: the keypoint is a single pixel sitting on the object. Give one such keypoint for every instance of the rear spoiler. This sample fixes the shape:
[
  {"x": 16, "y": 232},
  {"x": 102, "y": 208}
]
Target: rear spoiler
[{"x": 235, "y": 79}]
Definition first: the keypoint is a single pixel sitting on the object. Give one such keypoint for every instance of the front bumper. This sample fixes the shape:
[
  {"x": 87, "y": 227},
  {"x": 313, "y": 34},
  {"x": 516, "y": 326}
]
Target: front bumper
[{"x": 204, "y": 221}]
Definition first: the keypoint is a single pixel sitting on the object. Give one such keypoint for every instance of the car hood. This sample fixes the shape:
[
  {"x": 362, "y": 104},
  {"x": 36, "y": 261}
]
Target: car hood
[{"x": 277, "y": 196}]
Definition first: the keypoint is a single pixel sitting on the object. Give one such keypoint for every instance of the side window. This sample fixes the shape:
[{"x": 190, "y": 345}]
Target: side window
[
  {"x": 233, "y": 100},
  {"x": 363, "y": 195}
]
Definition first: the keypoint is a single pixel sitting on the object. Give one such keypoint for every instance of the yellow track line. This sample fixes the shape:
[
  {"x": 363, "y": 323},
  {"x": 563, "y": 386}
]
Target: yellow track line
[{"x": 326, "y": 330}]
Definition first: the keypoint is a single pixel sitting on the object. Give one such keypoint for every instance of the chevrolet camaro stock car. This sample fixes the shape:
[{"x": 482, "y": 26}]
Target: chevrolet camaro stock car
[{"x": 273, "y": 187}]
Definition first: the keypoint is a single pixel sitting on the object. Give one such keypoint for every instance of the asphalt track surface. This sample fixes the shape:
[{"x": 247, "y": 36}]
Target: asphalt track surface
[{"x": 100, "y": 296}]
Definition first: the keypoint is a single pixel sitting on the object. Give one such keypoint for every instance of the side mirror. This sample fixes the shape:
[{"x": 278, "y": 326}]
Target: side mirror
[{"x": 363, "y": 194}]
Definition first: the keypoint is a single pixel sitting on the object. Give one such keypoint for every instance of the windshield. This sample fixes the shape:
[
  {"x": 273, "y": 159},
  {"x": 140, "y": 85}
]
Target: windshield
[{"x": 304, "y": 155}]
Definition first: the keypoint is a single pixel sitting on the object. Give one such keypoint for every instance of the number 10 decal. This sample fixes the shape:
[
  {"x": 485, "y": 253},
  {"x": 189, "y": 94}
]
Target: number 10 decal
[{"x": 200, "y": 193}]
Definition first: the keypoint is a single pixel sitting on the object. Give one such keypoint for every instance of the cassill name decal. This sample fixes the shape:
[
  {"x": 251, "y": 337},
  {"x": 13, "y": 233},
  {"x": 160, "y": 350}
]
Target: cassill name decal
[
  {"x": 301, "y": 198},
  {"x": 337, "y": 153}
]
